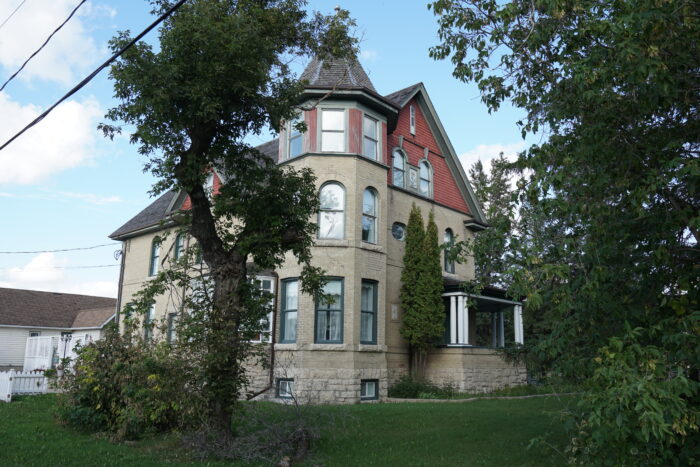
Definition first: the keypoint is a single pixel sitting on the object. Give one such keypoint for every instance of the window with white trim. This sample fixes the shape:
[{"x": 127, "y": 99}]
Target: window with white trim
[
  {"x": 368, "y": 312},
  {"x": 331, "y": 215},
  {"x": 34, "y": 333},
  {"x": 285, "y": 388},
  {"x": 155, "y": 256},
  {"x": 295, "y": 139},
  {"x": 209, "y": 185},
  {"x": 399, "y": 168},
  {"x": 179, "y": 245},
  {"x": 369, "y": 216},
  {"x": 412, "y": 119},
  {"x": 369, "y": 389},
  {"x": 329, "y": 313},
  {"x": 370, "y": 130},
  {"x": 266, "y": 285},
  {"x": 426, "y": 179},
  {"x": 288, "y": 312},
  {"x": 449, "y": 239},
  {"x": 333, "y": 130}
]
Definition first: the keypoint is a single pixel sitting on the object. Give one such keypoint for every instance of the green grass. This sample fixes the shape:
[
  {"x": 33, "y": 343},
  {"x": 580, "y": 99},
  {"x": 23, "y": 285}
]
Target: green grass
[{"x": 488, "y": 432}]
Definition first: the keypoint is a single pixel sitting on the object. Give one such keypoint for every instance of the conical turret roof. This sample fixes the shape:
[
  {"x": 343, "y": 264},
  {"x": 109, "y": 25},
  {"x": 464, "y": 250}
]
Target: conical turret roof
[{"x": 338, "y": 73}]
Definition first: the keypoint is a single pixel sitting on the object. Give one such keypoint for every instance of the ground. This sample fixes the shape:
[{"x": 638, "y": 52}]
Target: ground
[{"x": 485, "y": 432}]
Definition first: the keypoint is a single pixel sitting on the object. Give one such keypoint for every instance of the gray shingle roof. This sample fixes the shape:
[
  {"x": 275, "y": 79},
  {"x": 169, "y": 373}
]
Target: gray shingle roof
[
  {"x": 271, "y": 148},
  {"x": 402, "y": 95},
  {"x": 152, "y": 215},
  {"x": 48, "y": 309},
  {"x": 338, "y": 73},
  {"x": 93, "y": 318}
]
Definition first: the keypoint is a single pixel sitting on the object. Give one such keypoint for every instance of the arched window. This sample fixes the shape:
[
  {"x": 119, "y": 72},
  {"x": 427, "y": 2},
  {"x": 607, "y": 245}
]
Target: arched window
[
  {"x": 449, "y": 241},
  {"x": 426, "y": 179},
  {"x": 155, "y": 255},
  {"x": 331, "y": 216},
  {"x": 399, "y": 168},
  {"x": 369, "y": 216},
  {"x": 179, "y": 245}
]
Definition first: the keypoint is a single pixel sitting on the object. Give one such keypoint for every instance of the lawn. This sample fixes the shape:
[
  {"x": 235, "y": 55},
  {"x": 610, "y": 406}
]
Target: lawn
[{"x": 488, "y": 432}]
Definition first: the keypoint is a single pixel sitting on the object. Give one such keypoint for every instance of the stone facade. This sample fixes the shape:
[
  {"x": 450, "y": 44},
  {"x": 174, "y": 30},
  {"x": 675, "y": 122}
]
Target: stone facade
[{"x": 332, "y": 373}]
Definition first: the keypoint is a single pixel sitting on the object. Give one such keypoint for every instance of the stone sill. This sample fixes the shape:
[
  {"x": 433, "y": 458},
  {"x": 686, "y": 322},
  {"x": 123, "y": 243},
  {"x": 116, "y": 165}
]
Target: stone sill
[
  {"x": 331, "y": 243},
  {"x": 372, "y": 247},
  {"x": 333, "y": 347}
]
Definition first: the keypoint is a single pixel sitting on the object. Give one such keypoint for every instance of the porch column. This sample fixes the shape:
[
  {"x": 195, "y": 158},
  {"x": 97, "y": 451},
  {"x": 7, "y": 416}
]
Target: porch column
[
  {"x": 501, "y": 327},
  {"x": 453, "y": 320},
  {"x": 518, "y": 323},
  {"x": 465, "y": 320},
  {"x": 460, "y": 319}
]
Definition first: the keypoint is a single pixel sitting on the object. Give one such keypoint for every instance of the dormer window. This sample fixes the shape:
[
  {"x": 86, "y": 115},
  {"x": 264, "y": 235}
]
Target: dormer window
[
  {"x": 371, "y": 137},
  {"x": 333, "y": 130},
  {"x": 295, "y": 138},
  {"x": 399, "y": 168},
  {"x": 412, "y": 119}
]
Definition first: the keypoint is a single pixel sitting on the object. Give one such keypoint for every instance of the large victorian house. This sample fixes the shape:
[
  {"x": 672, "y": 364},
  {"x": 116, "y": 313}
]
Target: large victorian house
[{"x": 374, "y": 156}]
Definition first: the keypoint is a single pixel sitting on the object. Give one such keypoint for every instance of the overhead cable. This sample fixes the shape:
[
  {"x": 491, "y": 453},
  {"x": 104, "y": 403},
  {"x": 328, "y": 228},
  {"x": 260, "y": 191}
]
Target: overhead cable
[
  {"x": 56, "y": 251},
  {"x": 12, "y": 14}
]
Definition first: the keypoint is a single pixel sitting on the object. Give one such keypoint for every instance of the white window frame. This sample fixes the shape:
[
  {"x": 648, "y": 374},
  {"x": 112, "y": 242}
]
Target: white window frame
[
  {"x": 154, "y": 257},
  {"x": 364, "y": 383},
  {"x": 265, "y": 334},
  {"x": 398, "y": 152},
  {"x": 375, "y": 139},
  {"x": 285, "y": 388},
  {"x": 343, "y": 131},
  {"x": 448, "y": 239},
  {"x": 293, "y": 134},
  {"x": 412, "y": 119},
  {"x": 429, "y": 179},
  {"x": 372, "y": 217},
  {"x": 322, "y": 210}
]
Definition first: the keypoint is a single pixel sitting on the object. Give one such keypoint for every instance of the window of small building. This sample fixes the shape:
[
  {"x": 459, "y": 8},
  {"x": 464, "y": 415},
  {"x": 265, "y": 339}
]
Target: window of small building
[
  {"x": 329, "y": 313},
  {"x": 285, "y": 388},
  {"x": 34, "y": 333},
  {"x": 369, "y": 389},
  {"x": 369, "y": 216},
  {"x": 331, "y": 216},
  {"x": 368, "y": 312},
  {"x": 371, "y": 138},
  {"x": 333, "y": 130},
  {"x": 290, "y": 304},
  {"x": 399, "y": 168}
]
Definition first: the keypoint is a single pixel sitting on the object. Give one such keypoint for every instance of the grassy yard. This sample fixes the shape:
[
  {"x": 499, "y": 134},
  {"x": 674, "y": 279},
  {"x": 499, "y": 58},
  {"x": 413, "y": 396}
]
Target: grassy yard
[{"x": 488, "y": 432}]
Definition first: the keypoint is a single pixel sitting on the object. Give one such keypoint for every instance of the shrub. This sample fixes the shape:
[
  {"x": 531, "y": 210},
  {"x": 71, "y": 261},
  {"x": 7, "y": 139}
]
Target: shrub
[{"x": 408, "y": 388}]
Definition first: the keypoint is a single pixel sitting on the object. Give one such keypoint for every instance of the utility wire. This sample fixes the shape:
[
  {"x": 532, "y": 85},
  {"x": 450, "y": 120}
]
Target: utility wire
[
  {"x": 94, "y": 73},
  {"x": 73, "y": 267},
  {"x": 42, "y": 45},
  {"x": 56, "y": 251},
  {"x": 12, "y": 14}
]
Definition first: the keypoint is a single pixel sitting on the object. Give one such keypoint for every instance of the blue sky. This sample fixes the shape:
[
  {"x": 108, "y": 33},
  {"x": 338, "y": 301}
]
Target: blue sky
[{"x": 62, "y": 185}]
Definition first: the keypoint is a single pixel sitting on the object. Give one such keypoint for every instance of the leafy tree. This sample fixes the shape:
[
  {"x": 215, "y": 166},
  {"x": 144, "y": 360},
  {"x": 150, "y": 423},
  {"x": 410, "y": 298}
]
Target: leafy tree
[
  {"x": 221, "y": 72},
  {"x": 421, "y": 290},
  {"x": 613, "y": 86}
]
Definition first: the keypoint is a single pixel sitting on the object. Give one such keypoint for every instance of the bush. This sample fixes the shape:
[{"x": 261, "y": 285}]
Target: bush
[
  {"x": 408, "y": 388},
  {"x": 126, "y": 388}
]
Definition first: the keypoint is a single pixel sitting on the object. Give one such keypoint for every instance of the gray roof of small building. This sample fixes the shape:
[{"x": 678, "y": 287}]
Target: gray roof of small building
[
  {"x": 338, "y": 73},
  {"x": 53, "y": 310}
]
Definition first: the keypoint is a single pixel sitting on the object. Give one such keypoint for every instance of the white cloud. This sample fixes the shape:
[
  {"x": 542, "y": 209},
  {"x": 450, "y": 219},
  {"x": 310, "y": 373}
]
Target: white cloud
[
  {"x": 64, "y": 139},
  {"x": 43, "y": 272},
  {"x": 369, "y": 55},
  {"x": 70, "y": 51},
  {"x": 487, "y": 152},
  {"x": 91, "y": 198}
]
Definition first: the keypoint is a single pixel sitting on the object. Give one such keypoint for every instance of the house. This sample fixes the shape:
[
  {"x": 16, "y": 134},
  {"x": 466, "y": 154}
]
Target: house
[
  {"x": 29, "y": 313},
  {"x": 374, "y": 156}
]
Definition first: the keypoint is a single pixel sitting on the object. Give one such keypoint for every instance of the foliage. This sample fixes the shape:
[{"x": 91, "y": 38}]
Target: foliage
[
  {"x": 421, "y": 290},
  {"x": 408, "y": 388},
  {"x": 378, "y": 434},
  {"x": 613, "y": 88},
  {"x": 221, "y": 73},
  {"x": 126, "y": 388}
]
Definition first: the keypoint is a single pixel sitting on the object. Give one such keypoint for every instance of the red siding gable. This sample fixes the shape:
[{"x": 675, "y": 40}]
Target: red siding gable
[
  {"x": 445, "y": 189},
  {"x": 187, "y": 204}
]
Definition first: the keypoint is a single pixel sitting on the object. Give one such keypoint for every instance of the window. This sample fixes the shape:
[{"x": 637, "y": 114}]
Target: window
[
  {"x": 285, "y": 388},
  {"x": 155, "y": 255},
  {"x": 209, "y": 185},
  {"x": 368, "y": 312},
  {"x": 170, "y": 336},
  {"x": 179, "y": 245},
  {"x": 329, "y": 313},
  {"x": 399, "y": 172},
  {"x": 412, "y": 122},
  {"x": 266, "y": 285},
  {"x": 34, "y": 333},
  {"x": 371, "y": 137},
  {"x": 290, "y": 303},
  {"x": 398, "y": 231},
  {"x": 369, "y": 389},
  {"x": 295, "y": 137},
  {"x": 369, "y": 216},
  {"x": 148, "y": 323},
  {"x": 425, "y": 179},
  {"x": 333, "y": 130},
  {"x": 449, "y": 241},
  {"x": 331, "y": 216}
]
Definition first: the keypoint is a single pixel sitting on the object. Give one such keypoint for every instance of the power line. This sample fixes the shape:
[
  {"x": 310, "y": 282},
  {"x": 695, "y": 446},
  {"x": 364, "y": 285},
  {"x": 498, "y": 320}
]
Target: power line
[
  {"x": 43, "y": 45},
  {"x": 56, "y": 251},
  {"x": 71, "y": 267},
  {"x": 12, "y": 14},
  {"x": 94, "y": 73}
]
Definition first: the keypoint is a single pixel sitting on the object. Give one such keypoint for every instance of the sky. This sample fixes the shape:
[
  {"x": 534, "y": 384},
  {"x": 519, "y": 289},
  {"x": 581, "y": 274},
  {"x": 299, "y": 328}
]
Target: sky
[{"x": 64, "y": 186}]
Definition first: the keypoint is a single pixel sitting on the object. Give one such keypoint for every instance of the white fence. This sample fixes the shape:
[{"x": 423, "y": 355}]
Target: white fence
[
  {"x": 26, "y": 382},
  {"x": 38, "y": 353}
]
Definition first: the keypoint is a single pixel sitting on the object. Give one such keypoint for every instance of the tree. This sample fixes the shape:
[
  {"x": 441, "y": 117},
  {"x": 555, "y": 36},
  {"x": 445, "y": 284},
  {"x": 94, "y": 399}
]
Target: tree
[
  {"x": 221, "y": 73},
  {"x": 421, "y": 290},
  {"x": 614, "y": 87}
]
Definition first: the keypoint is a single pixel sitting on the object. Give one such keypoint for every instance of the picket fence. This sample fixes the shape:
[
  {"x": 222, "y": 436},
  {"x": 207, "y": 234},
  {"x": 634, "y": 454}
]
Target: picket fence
[{"x": 24, "y": 382}]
